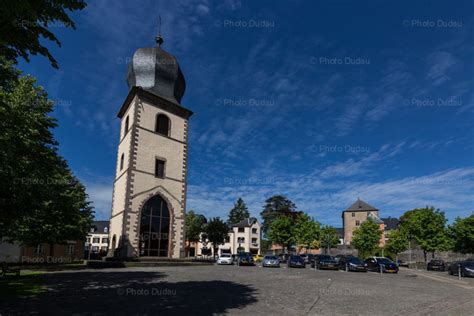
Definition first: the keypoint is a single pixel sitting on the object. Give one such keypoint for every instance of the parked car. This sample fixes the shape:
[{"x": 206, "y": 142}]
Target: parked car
[
  {"x": 257, "y": 258},
  {"x": 324, "y": 262},
  {"x": 467, "y": 268},
  {"x": 271, "y": 261},
  {"x": 245, "y": 259},
  {"x": 308, "y": 258},
  {"x": 225, "y": 258},
  {"x": 352, "y": 263},
  {"x": 296, "y": 262},
  {"x": 436, "y": 265},
  {"x": 381, "y": 263},
  {"x": 402, "y": 263}
]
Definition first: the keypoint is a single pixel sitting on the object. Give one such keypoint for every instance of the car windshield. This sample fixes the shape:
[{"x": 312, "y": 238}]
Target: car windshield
[
  {"x": 271, "y": 257},
  {"x": 225, "y": 255},
  {"x": 469, "y": 264},
  {"x": 325, "y": 257},
  {"x": 296, "y": 258},
  {"x": 384, "y": 261},
  {"x": 354, "y": 260}
]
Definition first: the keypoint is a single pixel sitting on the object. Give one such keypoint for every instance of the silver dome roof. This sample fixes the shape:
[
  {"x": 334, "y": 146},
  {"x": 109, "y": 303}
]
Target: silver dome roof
[{"x": 157, "y": 71}]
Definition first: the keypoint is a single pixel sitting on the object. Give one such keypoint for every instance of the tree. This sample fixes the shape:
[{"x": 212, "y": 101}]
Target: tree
[
  {"x": 24, "y": 23},
  {"x": 193, "y": 226},
  {"x": 216, "y": 231},
  {"x": 328, "y": 238},
  {"x": 40, "y": 199},
  {"x": 366, "y": 238},
  {"x": 306, "y": 232},
  {"x": 281, "y": 231},
  {"x": 275, "y": 207},
  {"x": 428, "y": 228},
  {"x": 462, "y": 234},
  {"x": 238, "y": 213},
  {"x": 397, "y": 241}
]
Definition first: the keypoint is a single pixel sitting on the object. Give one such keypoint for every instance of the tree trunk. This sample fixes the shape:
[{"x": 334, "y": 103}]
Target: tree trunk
[
  {"x": 432, "y": 255},
  {"x": 424, "y": 254}
]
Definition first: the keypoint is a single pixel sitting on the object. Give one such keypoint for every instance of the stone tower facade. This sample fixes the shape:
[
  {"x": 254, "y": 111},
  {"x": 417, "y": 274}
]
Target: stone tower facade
[
  {"x": 149, "y": 196},
  {"x": 355, "y": 215}
]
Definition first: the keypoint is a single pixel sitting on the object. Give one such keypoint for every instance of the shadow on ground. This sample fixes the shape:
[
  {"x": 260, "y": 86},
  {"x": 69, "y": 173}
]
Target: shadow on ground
[{"x": 97, "y": 293}]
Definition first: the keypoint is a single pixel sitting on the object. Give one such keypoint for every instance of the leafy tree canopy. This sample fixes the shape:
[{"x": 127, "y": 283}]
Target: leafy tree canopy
[
  {"x": 397, "y": 241},
  {"x": 25, "y": 22},
  {"x": 40, "y": 199},
  {"x": 281, "y": 231},
  {"x": 275, "y": 207},
  {"x": 216, "y": 231},
  {"x": 306, "y": 231},
  {"x": 328, "y": 237},
  {"x": 239, "y": 212},
  {"x": 194, "y": 226},
  {"x": 462, "y": 234},
  {"x": 366, "y": 238}
]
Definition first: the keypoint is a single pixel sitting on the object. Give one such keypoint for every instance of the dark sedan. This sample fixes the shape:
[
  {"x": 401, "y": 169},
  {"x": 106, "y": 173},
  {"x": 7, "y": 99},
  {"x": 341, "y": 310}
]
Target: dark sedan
[
  {"x": 436, "y": 265},
  {"x": 245, "y": 259},
  {"x": 324, "y": 262},
  {"x": 351, "y": 263},
  {"x": 466, "y": 268},
  {"x": 383, "y": 264},
  {"x": 296, "y": 262}
]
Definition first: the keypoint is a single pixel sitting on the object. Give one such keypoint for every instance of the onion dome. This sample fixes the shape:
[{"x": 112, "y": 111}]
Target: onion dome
[{"x": 156, "y": 71}]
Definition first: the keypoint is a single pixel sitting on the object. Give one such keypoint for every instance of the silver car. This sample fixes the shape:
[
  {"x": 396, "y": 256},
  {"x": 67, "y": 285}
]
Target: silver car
[
  {"x": 271, "y": 261},
  {"x": 225, "y": 258}
]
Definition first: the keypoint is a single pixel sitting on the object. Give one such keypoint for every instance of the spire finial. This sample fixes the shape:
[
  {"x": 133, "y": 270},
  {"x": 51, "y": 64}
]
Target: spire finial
[{"x": 159, "y": 38}]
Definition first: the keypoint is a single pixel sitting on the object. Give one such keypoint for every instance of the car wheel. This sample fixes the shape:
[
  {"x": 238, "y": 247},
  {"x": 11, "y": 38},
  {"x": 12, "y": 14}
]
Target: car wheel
[{"x": 450, "y": 272}]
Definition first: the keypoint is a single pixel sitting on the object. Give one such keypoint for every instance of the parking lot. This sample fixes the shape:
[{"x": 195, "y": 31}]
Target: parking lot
[{"x": 208, "y": 290}]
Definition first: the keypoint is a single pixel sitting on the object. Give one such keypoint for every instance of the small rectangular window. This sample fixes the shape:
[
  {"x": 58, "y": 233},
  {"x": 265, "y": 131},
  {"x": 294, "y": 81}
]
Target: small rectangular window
[
  {"x": 96, "y": 240},
  {"x": 357, "y": 223},
  {"x": 159, "y": 168},
  {"x": 254, "y": 231},
  {"x": 241, "y": 229},
  {"x": 353, "y": 214}
]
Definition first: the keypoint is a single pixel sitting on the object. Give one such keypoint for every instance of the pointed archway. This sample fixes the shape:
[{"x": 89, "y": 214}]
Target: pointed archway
[{"x": 154, "y": 228}]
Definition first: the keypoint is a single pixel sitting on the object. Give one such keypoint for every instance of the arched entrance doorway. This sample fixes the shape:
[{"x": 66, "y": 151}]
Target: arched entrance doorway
[{"x": 154, "y": 228}]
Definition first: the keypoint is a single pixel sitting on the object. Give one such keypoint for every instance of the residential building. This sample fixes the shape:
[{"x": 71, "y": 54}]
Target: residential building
[
  {"x": 244, "y": 236},
  {"x": 149, "y": 195},
  {"x": 97, "y": 241}
]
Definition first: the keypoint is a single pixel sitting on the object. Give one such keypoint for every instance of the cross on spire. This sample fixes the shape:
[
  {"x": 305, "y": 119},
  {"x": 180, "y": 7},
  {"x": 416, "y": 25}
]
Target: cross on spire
[{"x": 159, "y": 38}]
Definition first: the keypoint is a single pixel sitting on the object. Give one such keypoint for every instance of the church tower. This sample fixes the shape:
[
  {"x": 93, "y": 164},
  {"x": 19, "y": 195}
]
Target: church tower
[{"x": 149, "y": 196}]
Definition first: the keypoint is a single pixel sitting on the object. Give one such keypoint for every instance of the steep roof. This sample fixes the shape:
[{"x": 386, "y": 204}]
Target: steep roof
[
  {"x": 374, "y": 217},
  {"x": 340, "y": 231},
  {"x": 245, "y": 222},
  {"x": 360, "y": 205},
  {"x": 99, "y": 226}
]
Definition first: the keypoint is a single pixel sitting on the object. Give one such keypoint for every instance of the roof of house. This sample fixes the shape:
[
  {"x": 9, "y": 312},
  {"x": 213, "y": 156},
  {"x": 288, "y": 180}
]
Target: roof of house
[
  {"x": 391, "y": 223},
  {"x": 99, "y": 226},
  {"x": 340, "y": 231},
  {"x": 375, "y": 218},
  {"x": 245, "y": 222},
  {"x": 360, "y": 205}
]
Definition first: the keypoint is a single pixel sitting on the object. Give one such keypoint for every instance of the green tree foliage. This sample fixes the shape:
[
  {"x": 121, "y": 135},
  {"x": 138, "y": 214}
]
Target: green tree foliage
[
  {"x": 26, "y": 22},
  {"x": 427, "y": 227},
  {"x": 462, "y": 234},
  {"x": 328, "y": 238},
  {"x": 216, "y": 231},
  {"x": 40, "y": 199},
  {"x": 366, "y": 238},
  {"x": 275, "y": 207},
  {"x": 193, "y": 226},
  {"x": 306, "y": 231},
  {"x": 397, "y": 241},
  {"x": 239, "y": 212},
  {"x": 281, "y": 231}
]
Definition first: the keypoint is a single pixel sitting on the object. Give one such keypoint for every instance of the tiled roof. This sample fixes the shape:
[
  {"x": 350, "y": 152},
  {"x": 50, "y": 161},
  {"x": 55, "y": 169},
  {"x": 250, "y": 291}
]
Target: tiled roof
[
  {"x": 360, "y": 205},
  {"x": 340, "y": 231},
  {"x": 245, "y": 222}
]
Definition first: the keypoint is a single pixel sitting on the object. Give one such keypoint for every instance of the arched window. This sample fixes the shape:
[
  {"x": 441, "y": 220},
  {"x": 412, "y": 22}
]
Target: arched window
[
  {"x": 154, "y": 228},
  {"x": 162, "y": 125},
  {"x": 121, "y": 161},
  {"x": 126, "y": 125},
  {"x": 114, "y": 242}
]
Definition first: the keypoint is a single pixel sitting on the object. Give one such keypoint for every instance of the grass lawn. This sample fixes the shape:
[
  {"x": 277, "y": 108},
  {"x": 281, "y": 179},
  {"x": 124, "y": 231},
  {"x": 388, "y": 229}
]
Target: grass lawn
[{"x": 30, "y": 283}]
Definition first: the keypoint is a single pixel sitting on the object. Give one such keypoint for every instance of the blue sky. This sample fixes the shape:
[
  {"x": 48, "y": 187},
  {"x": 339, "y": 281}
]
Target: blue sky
[{"x": 321, "y": 101}]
